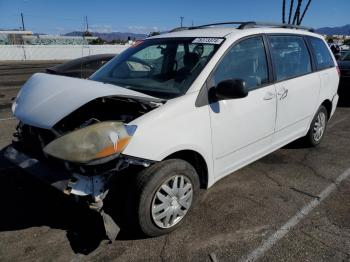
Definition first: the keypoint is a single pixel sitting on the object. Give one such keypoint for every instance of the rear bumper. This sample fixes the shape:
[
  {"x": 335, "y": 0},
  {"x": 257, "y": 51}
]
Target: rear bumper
[
  {"x": 57, "y": 179},
  {"x": 334, "y": 104}
]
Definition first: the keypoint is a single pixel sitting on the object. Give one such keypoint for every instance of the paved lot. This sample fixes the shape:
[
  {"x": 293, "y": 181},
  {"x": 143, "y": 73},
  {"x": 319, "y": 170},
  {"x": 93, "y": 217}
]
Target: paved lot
[{"x": 242, "y": 216}]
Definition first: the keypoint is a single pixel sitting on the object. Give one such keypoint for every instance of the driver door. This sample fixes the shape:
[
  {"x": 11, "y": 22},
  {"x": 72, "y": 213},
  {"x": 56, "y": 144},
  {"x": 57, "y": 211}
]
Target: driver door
[{"x": 242, "y": 128}]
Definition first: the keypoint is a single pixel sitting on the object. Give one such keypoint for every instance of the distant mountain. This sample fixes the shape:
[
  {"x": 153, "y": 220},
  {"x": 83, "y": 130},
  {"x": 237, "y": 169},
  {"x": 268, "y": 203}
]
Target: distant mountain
[
  {"x": 341, "y": 30},
  {"x": 111, "y": 36}
]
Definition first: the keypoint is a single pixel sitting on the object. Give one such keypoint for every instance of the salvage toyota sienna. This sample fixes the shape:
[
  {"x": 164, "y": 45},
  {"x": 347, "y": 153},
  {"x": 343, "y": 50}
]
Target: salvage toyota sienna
[{"x": 187, "y": 108}]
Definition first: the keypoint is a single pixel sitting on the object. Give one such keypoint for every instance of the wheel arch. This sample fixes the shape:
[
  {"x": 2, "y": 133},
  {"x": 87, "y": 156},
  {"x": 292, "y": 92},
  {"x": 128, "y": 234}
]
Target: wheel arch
[
  {"x": 328, "y": 105},
  {"x": 197, "y": 161}
]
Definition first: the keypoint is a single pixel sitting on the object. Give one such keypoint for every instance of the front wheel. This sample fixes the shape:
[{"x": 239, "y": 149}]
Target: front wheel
[
  {"x": 166, "y": 193},
  {"x": 317, "y": 127}
]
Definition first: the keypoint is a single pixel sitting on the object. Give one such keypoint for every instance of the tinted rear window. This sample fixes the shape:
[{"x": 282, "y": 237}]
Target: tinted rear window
[
  {"x": 323, "y": 57},
  {"x": 290, "y": 56}
]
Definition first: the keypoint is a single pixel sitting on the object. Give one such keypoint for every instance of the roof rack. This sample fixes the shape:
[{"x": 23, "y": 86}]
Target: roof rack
[
  {"x": 246, "y": 25},
  {"x": 252, "y": 24}
]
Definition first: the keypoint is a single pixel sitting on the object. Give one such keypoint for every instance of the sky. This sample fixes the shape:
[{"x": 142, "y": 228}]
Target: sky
[{"x": 62, "y": 16}]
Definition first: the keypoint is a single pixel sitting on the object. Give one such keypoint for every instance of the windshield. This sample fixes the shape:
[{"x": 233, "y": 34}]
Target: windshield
[{"x": 163, "y": 68}]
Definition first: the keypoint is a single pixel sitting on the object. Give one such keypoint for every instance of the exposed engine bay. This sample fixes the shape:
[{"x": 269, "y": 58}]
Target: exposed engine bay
[
  {"x": 104, "y": 109},
  {"x": 33, "y": 139},
  {"x": 89, "y": 180}
]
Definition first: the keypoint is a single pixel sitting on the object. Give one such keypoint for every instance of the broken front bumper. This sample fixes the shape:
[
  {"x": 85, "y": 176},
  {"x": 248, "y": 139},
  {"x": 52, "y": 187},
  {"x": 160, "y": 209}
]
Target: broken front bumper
[
  {"x": 68, "y": 183},
  {"x": 59, "y": 180}
]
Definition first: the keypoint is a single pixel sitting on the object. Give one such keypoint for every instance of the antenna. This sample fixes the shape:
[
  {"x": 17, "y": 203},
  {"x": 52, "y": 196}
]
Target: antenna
[
  {"x": 23, "y": 28},
  {"x": 181, "y": 20}
]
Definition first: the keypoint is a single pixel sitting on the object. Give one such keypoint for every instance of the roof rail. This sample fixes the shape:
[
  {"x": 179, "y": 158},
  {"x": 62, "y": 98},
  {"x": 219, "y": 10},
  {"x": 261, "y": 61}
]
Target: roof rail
[
  {"x": 222, "y": 23},
  {"x": 253, "y": 24},
  {"x": 176, "y": 29},
  {"x": 246, "y": 25}
]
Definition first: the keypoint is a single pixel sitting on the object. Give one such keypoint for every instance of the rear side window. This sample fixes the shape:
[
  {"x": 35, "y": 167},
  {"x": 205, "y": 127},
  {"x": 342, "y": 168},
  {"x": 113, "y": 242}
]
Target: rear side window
[
  {"x": 290, "y": 56},
  {"x": 245, "y": 60},
  {"x": 323, "y": 57}
]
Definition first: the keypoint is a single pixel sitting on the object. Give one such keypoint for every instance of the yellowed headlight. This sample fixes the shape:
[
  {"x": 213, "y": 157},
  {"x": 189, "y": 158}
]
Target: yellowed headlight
[{"x": 92, "y": 142}]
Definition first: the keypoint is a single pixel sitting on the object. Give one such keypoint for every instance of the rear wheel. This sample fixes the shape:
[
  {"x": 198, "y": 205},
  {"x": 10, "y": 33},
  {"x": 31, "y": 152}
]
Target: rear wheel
[
  {"x": 165, "y": 195},
  {"x": 317, "y": 127}
]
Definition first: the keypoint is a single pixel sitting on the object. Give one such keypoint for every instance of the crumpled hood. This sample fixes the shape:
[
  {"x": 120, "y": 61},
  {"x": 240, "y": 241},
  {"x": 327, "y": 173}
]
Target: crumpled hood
[{"x": 45, "y": 99}]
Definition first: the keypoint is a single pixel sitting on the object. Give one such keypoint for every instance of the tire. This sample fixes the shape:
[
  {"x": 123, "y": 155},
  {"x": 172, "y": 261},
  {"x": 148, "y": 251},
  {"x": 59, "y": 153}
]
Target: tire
[
  {"x": 150, "y": 193},
  {"x": 320, "y": 118}
]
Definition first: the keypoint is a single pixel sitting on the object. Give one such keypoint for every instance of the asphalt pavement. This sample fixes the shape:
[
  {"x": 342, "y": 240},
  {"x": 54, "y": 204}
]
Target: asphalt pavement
[{"x": 292, "y": 205}]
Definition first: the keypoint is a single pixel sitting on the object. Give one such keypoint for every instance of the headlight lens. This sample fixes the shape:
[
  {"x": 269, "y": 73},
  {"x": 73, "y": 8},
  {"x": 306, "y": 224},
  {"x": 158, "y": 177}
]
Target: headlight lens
[{"x": 92, "y": 142}]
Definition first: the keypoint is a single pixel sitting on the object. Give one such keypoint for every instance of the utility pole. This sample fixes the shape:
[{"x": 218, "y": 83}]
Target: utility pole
[
  {"x": 87, "y": 24},
  {"x": 181, "y": 20},
  {"x": 23, "y": 28}
]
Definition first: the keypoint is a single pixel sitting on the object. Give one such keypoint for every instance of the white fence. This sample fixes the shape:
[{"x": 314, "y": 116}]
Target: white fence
[{"x": 55, "y": 52}]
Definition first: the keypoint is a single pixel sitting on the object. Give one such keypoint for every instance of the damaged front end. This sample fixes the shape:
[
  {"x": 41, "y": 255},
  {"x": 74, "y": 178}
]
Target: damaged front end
[{"x": 82, "y": 151}]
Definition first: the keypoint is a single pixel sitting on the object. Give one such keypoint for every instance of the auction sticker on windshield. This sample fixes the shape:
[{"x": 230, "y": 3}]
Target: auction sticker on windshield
[{"x": 207, "y": 40}]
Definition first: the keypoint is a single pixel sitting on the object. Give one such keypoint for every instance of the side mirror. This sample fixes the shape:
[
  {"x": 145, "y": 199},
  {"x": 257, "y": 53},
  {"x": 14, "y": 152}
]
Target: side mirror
[{"x": 231, "y": 89}]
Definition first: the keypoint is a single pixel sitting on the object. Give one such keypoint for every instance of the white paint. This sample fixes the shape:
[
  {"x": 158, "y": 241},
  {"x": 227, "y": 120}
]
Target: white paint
[
  {"x": 238, "y": 131},
  {"x": 45, "y": 99},
  {"x": 55, "y": 52},
  {"x": 293, "y": 221},
  {"x": 229, "y": 134},
  {"x": 251, "y": 121}
]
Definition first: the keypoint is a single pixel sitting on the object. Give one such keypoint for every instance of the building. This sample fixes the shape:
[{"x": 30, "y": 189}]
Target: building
[
  {"x": 13, "y": 37},
  {"x": 57, "y": 40},
  {"x": 28, "y": 38}
]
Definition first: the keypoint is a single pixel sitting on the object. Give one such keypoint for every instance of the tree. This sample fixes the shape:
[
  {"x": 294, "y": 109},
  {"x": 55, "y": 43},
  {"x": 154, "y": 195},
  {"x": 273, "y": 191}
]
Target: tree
[
  {"x": 98, "y": 41},
  {"x": 87, "y": 33},
  {"x": 297, "y": 13},
  {"x": 284, "y": 12},
  {"x": 305, "y": 10},
  {"x": 154, "y": 33},
  {"x": 290, "y": 11},
  {"x": 297, "y": 18}
]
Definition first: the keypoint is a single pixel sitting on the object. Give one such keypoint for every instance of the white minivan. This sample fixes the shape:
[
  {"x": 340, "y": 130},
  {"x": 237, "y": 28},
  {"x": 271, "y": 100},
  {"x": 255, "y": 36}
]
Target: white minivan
[{"x": 175, "y": 112}]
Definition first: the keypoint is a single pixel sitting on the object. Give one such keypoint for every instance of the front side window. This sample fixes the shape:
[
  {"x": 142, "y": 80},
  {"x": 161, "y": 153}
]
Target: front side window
[
  {"x": 245, "y": 60},
  {"x": 163, "y": 68},
  {"x": 323, "y": 57},
  {"x": 290, "y": 56}
]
